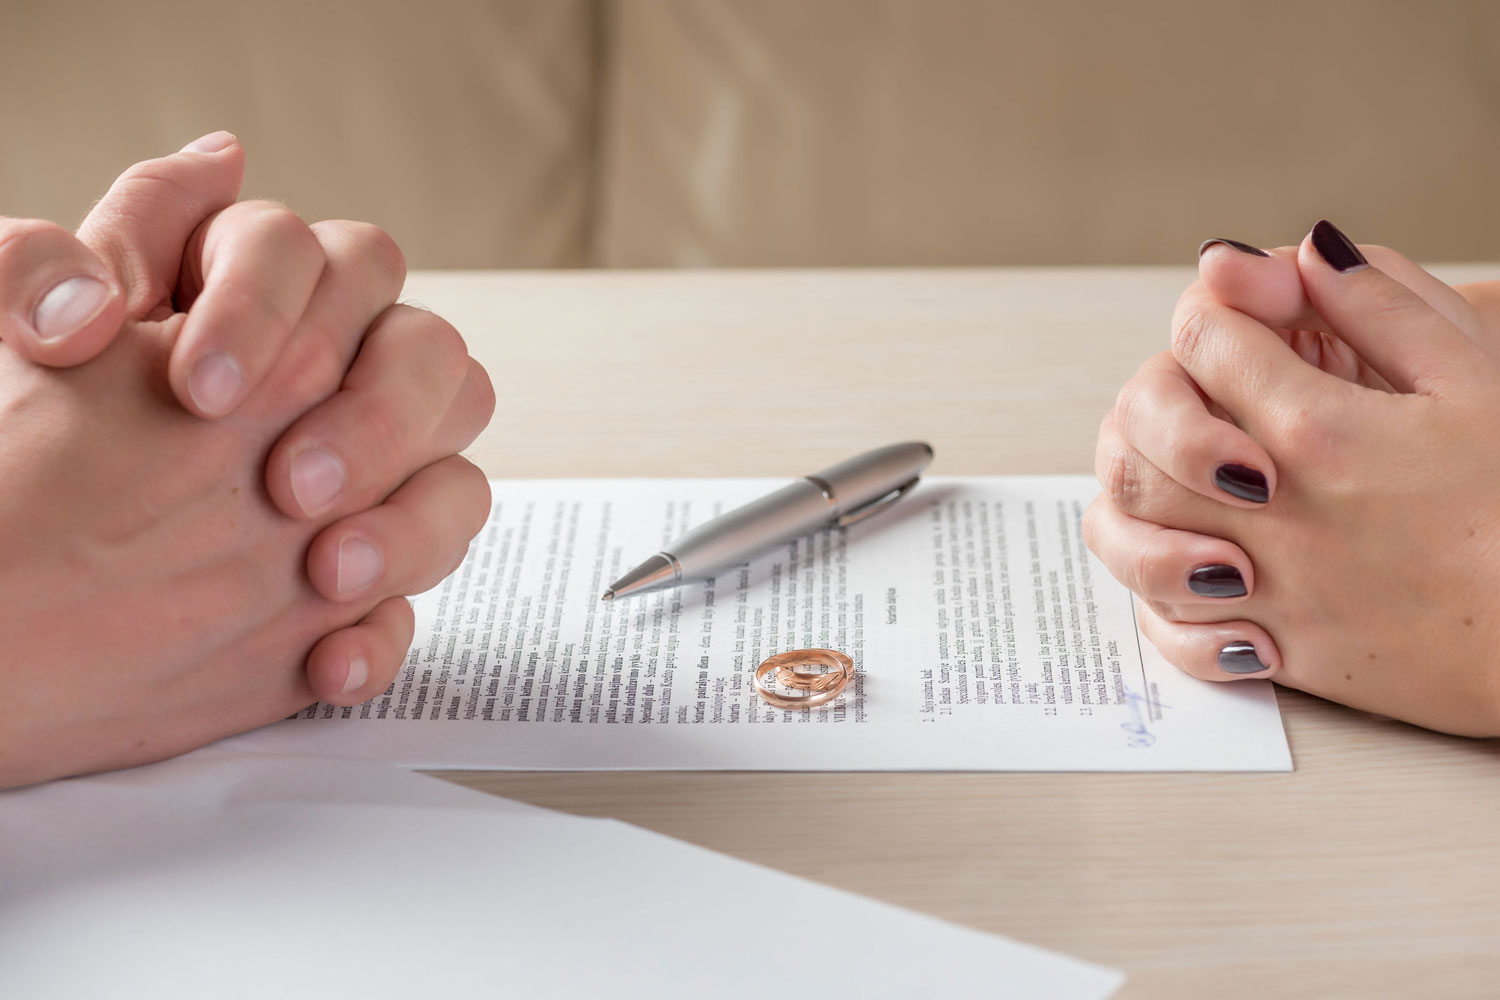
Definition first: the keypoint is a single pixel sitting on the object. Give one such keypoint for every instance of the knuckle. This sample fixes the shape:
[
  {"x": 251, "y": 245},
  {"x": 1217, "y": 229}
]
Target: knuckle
[
  {"x": 1194, "y": 328},
  {"x": 152, "y": 180},
  {"x": 1164, "y": 611},
  {"x": 308, "y": 371},
  {"x": 1122, "y": 479},
  {"x": 1107, "y": 433},
  {"x": 1089, "y": 525},
  {"x": 367, "y": 243},
  {"x": 1129, "y": 405},
  {"x": 1293, "y": 423},
  {"x": 1391, "y": 303},
  {"x": 475, "y": 402},
  {"x": 1104, "y": 455},
  {"x": 398, "y": 624},
  {"x": 442, "y": 516},
  {"x": 441, "y": 344},
  {"x": 1187, "y": 653},
  {"x": 484, "y": 495},
  {"x": 450, "y": 346},
  {"x": 284, "y": 228},
  {"x": 429, "y": 346},
  {"x": 1304, "y": 434},
  {"x": 484, "y": 398},
  {"x": 1147, "y": 569},
  {"x": 406, "y": 623},
  {"x": 476, "y": 504},
  {"x": 382, "y": 248},
  {"x": 1105, "y": 445}
]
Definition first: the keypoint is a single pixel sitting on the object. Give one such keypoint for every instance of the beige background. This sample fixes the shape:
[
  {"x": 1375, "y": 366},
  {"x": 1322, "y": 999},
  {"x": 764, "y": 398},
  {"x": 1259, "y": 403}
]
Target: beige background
[
  {"x": 643, "y": 133},
  {"x": 461, "y": 126}
]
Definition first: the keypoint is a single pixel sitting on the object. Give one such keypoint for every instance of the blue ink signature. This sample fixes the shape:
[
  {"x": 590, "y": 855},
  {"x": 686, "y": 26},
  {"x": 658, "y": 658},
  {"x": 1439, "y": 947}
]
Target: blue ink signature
[{"x": 1138, "y": 733}]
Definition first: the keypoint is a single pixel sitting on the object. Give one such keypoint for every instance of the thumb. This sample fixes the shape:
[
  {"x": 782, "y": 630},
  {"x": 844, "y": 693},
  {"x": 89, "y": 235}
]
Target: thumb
[
  {"x": 1262, "y": 284},
  {"x": 141, "y": 227},
  {"x": 60, "y": 304},
  {"x": 1397, "y": 332},
  {"x": 1267, "y": 285}
]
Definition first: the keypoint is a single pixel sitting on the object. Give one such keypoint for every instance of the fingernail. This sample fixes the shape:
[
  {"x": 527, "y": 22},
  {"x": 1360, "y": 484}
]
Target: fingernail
[
  {"x": 68, "y": 306},
  {"x": 1337, "y": 251},
  {"x": 215, "y": 382},
  {"x": 317, "y": 478},
  {"x": 1240, "y": 658},
  {"x": 1243, "y": 482},
  {"x": 359, "y": 565},
  {"x": 1217, "y": 580},
  {"x": 359, "y": 672},
  {"x": 1241, "y": 247},
  {"x": 211, "y": 143}
]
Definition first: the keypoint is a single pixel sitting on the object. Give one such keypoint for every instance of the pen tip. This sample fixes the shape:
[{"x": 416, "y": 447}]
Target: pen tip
[{"x": 609, "y": 595}]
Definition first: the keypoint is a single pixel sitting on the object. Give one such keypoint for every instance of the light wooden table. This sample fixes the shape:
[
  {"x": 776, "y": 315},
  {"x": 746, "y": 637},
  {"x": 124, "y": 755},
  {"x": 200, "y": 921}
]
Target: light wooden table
[{"x": 1372, "y": 871}]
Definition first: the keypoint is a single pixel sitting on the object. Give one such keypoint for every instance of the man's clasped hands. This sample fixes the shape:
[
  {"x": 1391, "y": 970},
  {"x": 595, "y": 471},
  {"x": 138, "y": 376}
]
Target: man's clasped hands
[{"x": 228, "y": 455}]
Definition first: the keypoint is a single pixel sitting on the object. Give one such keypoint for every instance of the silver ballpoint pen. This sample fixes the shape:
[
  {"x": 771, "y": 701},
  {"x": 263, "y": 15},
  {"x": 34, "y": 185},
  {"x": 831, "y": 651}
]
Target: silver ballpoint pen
[{"x": 848, "y": 492}]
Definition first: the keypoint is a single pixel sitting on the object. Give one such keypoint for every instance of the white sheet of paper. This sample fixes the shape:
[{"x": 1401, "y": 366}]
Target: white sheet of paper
[
  {"x": 985, "y": 637},
  {"x": 233, "y": 875}
]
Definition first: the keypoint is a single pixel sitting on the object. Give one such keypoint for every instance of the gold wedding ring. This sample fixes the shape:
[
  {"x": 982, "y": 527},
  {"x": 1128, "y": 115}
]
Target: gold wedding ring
[{"x": 821, "y": 673}]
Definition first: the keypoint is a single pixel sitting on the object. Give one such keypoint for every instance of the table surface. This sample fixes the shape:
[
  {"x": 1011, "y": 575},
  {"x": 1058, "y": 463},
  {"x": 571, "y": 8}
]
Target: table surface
[{"x": 1372, "y": 871}]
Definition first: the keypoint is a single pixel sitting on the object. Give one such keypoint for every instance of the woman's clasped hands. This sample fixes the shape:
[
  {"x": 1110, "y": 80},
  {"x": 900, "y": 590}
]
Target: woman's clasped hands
[{"x": 1306, "y": 487}]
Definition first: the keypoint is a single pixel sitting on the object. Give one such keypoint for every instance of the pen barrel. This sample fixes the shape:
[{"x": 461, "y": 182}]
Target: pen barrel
[
  {"x": 796, "y": 509},
  {"x": 857, "y": 481}
]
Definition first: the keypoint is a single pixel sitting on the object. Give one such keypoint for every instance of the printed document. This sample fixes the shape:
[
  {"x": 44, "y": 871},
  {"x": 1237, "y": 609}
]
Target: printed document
[{"x": 984, "y": 636}]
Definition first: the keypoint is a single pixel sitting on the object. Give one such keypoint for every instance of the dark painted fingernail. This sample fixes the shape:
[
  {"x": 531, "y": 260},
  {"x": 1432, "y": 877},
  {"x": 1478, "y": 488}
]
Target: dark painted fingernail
[
  {"x": 1243, "y": 482},
  {"x": 1240, "y": 658},
  {"x": 1217, "y": 580},
  {"x": 1335, "y": 248},
  {"x": 1241, "y": 247}
]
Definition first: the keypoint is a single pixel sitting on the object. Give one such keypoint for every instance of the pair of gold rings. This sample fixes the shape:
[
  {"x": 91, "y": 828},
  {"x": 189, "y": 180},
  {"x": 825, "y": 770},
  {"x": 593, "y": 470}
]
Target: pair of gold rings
[{"x": 821, "y": 674}]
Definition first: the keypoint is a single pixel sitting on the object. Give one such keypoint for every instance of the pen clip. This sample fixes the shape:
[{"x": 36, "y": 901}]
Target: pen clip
[{"x": 879, "y": 503}]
